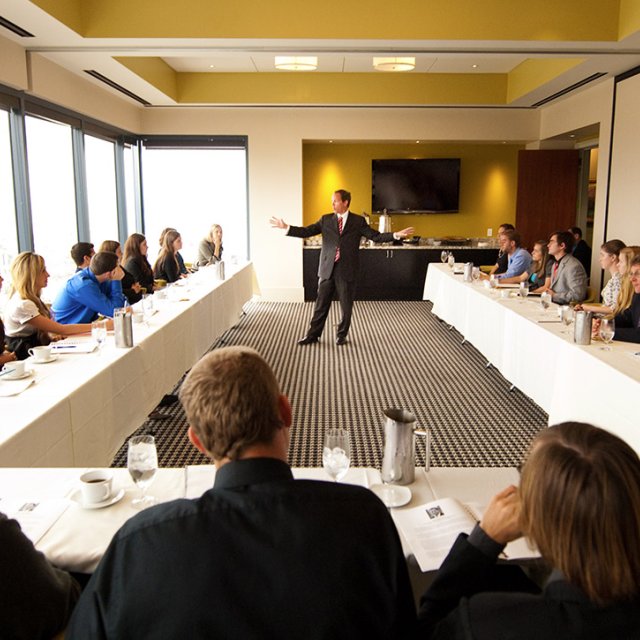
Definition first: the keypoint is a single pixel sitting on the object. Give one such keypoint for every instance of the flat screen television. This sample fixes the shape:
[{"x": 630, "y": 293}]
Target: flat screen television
[{"x": 426, "y": 185}]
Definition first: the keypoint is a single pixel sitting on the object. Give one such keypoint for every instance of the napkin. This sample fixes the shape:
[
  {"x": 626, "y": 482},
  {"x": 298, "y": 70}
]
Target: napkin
[{"x": 14, "y": 387}]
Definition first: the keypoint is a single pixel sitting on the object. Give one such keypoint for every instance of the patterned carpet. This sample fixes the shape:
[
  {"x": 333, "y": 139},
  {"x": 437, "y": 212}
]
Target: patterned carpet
[{"x": 398, "y": 355}]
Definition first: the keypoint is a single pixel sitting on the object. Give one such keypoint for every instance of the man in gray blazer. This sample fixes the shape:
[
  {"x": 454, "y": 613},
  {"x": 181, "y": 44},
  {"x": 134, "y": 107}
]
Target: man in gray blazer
[
  {"x": 568, "y": 278},
  {"x": 341, "y": 232}
]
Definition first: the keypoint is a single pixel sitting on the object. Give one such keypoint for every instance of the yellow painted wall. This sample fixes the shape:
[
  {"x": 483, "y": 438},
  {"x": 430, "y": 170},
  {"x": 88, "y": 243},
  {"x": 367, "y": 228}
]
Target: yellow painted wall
[{"x": 488, "y": 182}]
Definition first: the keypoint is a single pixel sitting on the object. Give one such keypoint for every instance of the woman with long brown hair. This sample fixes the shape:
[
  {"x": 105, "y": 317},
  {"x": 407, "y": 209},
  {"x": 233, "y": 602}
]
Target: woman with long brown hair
[
  {"x": 130, "y": 286},
  {"x": 579, "y": 503},
  {"x": 167, "y": 266},
  {"x": 135, "y": 261},
  {"x": 27, "y": 319}
]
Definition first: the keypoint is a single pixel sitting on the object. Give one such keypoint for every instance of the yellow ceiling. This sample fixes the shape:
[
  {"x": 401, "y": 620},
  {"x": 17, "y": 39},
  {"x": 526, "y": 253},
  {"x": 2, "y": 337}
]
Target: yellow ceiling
[{"x": 554, "y": 44}]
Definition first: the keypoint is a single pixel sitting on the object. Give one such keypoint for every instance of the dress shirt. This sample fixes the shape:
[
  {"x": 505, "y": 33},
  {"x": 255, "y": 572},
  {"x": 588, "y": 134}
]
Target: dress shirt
[
  {"x": 82, "y": 298},
  {"x": 260, "y": 555},
  {"x": 519, "y": 262}
]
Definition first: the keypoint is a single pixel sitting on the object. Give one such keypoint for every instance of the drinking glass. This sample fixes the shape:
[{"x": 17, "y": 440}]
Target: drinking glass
[
  {"x": 545, "y": 300},
  {"x": 451, "y": 260},
  {"x": 566, "y": 317},
  {"x": 336, "y": 453},
  {"x": 142, "y": 463},
  {"x": 475, "y": 274},
  {"x": 147, "y": 307},
  {"x": 99, "y": 332},
  {"x": 444, "y": 256},
  {"x": 607, "y": 331},
  {"x": 493, "y": 281},
  {"x": 523, "y": 291}
]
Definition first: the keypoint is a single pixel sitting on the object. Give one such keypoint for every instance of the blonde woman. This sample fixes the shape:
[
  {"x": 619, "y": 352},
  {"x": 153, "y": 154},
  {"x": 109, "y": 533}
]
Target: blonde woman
[
  {"x": 210, "y": 248},
  {"x": 579, "y": 503},
  {"x": 626, "y": 257},
  {"x": 5, "y": 356},
  {"x": 27, "y": 320}
]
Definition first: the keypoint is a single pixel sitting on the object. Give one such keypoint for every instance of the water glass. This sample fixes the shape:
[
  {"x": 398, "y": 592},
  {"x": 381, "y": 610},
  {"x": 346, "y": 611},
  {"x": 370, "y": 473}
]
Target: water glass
[
  {"x": 99, "y": 332},
  {"x": 545, "y": 300},
  {"x": 566, "y": 316},
  {"x": 444, "y": 256},
  {"x": 336, "y": 453},
  {"x": 523, "y": 291},
  {"x": 606, "y": 332},
  {"x": 147, "y": 307},
  {"x": 475, "y": 274},
  {"x": 451, "y": 260},
  {"x": 142, "y": 463}
]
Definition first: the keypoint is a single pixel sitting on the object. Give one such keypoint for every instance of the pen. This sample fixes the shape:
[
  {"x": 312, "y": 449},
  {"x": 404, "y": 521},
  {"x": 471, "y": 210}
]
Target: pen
[
  {"x": 65, "y": 346},
  {"x": 549, "y": 321}
]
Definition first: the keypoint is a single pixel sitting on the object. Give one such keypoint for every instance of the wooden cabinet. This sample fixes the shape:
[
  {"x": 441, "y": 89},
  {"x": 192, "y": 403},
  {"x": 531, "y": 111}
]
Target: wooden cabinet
[{"x": 392, "y": 273}]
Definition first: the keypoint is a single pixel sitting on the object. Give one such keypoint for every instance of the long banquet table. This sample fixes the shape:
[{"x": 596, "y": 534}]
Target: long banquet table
[
  {"x": 82, "y": 407},
  {"x": 526, "y": 344},
  {"x": 76, "y": 538}
]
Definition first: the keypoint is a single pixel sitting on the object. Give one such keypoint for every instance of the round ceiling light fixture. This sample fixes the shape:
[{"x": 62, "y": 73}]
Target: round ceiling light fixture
[
  {"x": 297, "y": 63},
  {"x": 394, "y": 64}
]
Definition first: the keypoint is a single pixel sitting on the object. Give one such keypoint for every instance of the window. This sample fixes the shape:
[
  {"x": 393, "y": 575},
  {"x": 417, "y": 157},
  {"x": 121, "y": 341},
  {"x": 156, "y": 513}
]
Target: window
[
  {"x": 53, "y": 203},
  {"x": 192, "y": 188},
  {"x": 101, "y": 189},
  {"x": 8, "y": 233}
]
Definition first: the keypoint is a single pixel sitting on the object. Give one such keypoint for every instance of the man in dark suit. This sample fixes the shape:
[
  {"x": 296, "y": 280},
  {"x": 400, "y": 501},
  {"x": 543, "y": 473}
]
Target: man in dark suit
[
  {"x": 341, "y": 232},
  {"x": 581, "y": 250}
]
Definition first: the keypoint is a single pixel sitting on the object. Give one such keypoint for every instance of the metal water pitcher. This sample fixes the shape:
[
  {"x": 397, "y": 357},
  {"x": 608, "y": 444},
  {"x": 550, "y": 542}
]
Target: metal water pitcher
[
  {"x": 220, "y": 270},
  {"x": 582, "y": 327},
  {"x": 398, "y": 460},
  {"x": 384, "y": 224},
  {"x": 468, "y": 272},
  {"x": 123, "y": 327}
]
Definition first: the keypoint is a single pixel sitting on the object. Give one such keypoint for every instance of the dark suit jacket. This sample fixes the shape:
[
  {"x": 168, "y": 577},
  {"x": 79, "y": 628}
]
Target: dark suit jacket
[
  {"x": 472, "y": 598},
  {"x": 628, "y": 322},
  {"x": 349, "y": 242},
  {"x": 582, "y": 252}
]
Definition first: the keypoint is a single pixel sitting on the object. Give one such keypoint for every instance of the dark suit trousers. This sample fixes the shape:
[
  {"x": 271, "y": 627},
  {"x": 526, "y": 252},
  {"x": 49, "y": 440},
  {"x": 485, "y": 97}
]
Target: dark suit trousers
[{"x": 326, "y": 288}]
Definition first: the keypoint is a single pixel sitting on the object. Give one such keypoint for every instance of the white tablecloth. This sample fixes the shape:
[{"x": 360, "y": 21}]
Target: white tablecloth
[
  {"x": 77, "y": 540},
  {"x": 569, "y": 381},
  {"x": 83, "y": 407}
]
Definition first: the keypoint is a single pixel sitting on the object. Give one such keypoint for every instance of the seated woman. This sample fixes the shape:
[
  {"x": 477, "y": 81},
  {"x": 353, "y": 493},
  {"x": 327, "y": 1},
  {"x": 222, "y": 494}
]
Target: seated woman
[
  {"x": 166, "y": 266},
  {"x": 136, "y": 263},
  {"x": 579, "y": 503},
  {"x": 609, "y": 261},
  {"x": 210, "y": 248},
  {"x": 626, "y": 257},
  {"x": 538, "y": 277},
  {"x": 131, "y": 288},
  {"x": 27, "y": 320},
  {"x": 184, "y": 272},
  {"x": 5, "y": 355}
]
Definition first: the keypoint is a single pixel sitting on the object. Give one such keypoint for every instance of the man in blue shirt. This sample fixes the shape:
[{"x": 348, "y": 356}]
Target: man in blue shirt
[
  {"x": 519, "y": 259},
  {"x": 91, "y": 291}
]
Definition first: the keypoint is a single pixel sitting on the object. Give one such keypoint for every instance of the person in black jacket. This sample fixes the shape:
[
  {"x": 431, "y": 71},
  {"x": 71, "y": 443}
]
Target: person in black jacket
[
  {"x": 581, "y": 250},
  {"x": 579, "y": 503},
  {"x": 135, "y": 261},
  {"x": 341, "y": 232}
]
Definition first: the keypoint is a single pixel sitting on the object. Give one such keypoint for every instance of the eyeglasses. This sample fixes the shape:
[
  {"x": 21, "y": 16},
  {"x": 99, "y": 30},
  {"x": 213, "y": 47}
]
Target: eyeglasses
[{"x": 634, "y": 274}]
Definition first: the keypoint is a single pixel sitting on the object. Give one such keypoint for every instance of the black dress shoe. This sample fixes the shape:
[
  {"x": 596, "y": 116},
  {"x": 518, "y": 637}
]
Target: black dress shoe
[
  {"x": 307, "y": 340},
  {"x": 340, "y": 340}
]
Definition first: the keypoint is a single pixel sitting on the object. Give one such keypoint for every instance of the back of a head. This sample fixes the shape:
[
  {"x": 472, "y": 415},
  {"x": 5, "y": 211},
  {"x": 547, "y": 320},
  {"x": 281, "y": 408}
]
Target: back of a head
[
  {"x": 110, "y": 245},
  {"x": 231, "y": 399},
  {"x": 163, "y": 233},
  {"x": 103, "y": 262},
  {"x": 576, "y": 231},
  {"x": 79, "y": 251},
  {"x": 580, "y": 491}
]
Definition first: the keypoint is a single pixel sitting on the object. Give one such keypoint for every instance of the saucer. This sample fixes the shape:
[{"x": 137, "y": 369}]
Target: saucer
[
  {"x": 115, "y": 498},
  {"x": 52, "y": 358},
  {"x": 22, "y": 376},
  {"x": 392, "y": 495}
]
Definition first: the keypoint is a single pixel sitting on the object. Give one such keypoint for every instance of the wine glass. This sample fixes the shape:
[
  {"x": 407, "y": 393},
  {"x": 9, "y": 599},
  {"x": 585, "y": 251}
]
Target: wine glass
[
  {"x": 606, "y": 332},
  {"x": 444, "y": 256},
  {"x": 336, "y": 453},
  {"x": 523, "y": 291},
  {"x": 142, "y": 462},
  {"x": 566, "y": 317},
  {"x": 545, "y": 300},
  {"x": 99, "y": 332}
]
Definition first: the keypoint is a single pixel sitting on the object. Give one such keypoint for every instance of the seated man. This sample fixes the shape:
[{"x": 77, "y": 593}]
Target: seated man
[
  {"x": 91, "y": 291},
  {"x": 502, "y": 262},
  {"x": 36, "y": 600},
  {"x": 568, "y": 278},
  {"x": 628, "y": 322},
  {"x": 81, "y": 254},
  {"x": 518, "y": 258},
  {"x": 260, "y": 555},
  {"x": 581, "y": 250}
]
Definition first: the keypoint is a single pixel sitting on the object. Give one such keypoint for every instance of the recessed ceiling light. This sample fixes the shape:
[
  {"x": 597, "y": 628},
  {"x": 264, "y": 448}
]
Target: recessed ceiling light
[
  {"x": 474, "y": 66},
  {"x": 211, "y": 66},
  {"x": 297, "y": 63},
  {"x": 417, "y": 141},
  {"x": 394, "y": 64}
]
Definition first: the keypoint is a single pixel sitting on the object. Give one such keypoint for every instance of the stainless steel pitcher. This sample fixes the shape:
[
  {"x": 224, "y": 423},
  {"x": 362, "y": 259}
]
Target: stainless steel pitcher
[
  {"x": 220, "y": 270},
  {"x": 398, "y": 460},
  {"x": 468, "y": 272},
  {"x": 384, "y": 224},
  {"x": 123, "y": 327},
  {"x": 582, "y": 327}
]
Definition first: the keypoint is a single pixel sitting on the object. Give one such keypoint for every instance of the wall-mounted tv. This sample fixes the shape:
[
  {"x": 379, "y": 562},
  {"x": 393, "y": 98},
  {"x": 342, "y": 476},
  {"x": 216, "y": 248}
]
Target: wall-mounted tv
[{"x": 426, "y": 185}]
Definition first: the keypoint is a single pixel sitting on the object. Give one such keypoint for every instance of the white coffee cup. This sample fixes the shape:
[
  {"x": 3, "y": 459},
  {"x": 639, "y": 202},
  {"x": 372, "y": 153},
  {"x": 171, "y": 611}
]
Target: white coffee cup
[
  {"x": 95, "y": 486},
  {"x": 41, "y": 354},
  {"x": 14, "y": 369}
]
